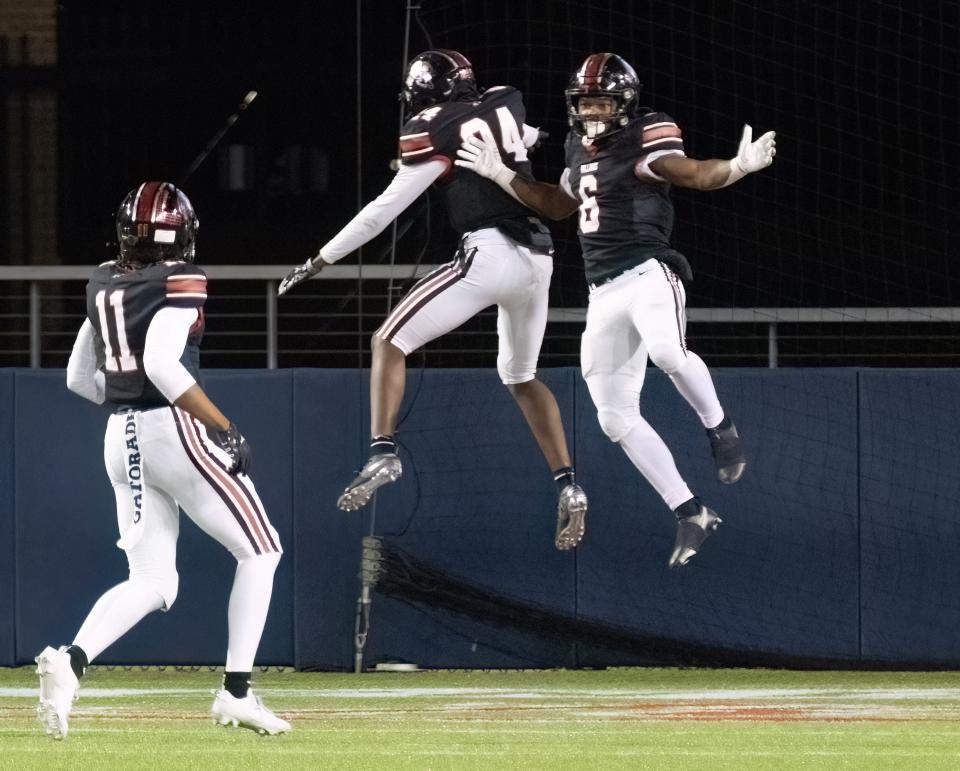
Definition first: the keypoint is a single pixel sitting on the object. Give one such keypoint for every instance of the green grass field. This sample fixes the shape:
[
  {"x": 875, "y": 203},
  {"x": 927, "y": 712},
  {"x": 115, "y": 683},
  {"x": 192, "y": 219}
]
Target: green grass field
[{"x": 617, "y": 719}]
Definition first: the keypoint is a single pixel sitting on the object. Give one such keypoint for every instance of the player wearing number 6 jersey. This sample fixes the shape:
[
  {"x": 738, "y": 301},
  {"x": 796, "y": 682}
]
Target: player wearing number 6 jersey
[
  {"x": 504, "y": 259},
  {"x": 167, "y": 446},
  {"x": 620, "y": 162}
]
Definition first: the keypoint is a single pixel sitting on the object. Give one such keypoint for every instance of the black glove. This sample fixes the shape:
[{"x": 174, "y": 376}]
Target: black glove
[{"x": 231, "y": 441}]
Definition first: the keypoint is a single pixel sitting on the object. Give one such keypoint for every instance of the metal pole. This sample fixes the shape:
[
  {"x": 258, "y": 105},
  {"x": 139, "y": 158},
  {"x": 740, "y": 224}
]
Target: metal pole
[
  {"x": 271, "y": 298},
  {"x": 772, "y": 345},
  {"x": 35, "y": 324}
]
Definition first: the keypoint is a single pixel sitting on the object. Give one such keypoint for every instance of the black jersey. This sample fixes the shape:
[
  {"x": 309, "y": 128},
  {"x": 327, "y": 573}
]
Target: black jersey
[
  {"x": 472, "y": 201},
  {"x": 120, "y": 305},
  {"x": 624, "y": 220}
]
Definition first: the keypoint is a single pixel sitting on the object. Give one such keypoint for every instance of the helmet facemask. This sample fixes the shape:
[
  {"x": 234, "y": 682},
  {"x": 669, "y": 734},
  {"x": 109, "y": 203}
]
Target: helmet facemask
[{"x": 602, "y": 76}]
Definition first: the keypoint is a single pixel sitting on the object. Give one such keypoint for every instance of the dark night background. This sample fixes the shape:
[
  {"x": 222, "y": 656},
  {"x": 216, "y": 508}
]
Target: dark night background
[{"x": 859, "y": 209}]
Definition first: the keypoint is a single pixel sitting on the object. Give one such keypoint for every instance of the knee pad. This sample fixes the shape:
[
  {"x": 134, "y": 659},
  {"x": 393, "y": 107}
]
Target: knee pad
[
  {"x": 166, "y": 584},
  {"x": 669, "y": 357},
  {"x": 616, "y": 424}
]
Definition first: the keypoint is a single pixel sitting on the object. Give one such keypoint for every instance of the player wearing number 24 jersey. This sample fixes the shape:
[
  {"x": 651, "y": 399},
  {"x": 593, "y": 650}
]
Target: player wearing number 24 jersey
[
  {"x": 167, "y": 447},
  {"x": 621, "y": 160},
  {"x": 504, "y": 259}
]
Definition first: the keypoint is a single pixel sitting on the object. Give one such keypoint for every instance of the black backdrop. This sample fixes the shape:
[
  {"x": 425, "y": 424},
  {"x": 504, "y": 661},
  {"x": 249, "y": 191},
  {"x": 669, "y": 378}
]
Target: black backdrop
[{"x": 859, "y": 208}]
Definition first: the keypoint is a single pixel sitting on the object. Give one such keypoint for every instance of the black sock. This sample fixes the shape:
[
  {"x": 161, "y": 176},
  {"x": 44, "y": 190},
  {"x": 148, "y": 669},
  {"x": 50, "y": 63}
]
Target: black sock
[
  {"x": 722, "y": 425},
  {"x": 688, "y": 508},
  {"x": 383, "y": 444},
  {"x": 563, "y": 477},
  {"x": 78, "y": 660},
  {"x": 237, "y": 683}
]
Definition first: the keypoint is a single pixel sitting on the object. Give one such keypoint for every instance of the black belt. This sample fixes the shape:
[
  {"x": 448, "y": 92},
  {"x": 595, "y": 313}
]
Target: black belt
[
  {"x": 608, "y": 279},
  {"x": 121, "y": 408}
]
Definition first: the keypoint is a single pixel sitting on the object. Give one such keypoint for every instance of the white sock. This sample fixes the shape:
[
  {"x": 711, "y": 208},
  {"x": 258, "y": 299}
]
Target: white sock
[
  {"x": 115, "y": 614},
  {"x": 247, "y": 612},
  {"x": 653, "y": 459},
  {"x": 694, "y": 383}
]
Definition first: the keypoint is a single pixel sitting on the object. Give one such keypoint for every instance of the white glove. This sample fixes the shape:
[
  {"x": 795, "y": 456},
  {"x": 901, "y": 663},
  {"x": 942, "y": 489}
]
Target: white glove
[
  {"x": 484, "y": 159},
  {"x": 752, "y": 156},
  {"x": 300, "y": 274}
]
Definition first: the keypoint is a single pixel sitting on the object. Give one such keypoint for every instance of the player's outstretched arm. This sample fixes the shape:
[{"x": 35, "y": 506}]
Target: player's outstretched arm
[
  {"x": 409, "y": 183},
  {"x": 713, "y": 174},
  {"x": 483, "y": 158}
]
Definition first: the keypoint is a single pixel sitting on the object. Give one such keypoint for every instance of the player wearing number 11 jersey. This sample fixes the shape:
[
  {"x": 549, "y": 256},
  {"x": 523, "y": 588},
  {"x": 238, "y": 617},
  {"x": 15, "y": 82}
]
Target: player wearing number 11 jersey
[
  {"x": 621, "y": 160},
  {"x": 166, "y": 447},
  {"x": 504, "y": 259}
]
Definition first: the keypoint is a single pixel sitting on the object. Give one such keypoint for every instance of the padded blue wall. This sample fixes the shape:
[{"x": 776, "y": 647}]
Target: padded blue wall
[
  {"x": 752, "y": 588},
  {"x": 7, "y": 552},
  {"x": 840, "y": 542},
  {"x": 477, "y": 500},
  {"x": 329, "y": 440},
  {"x": 910, "y": 515}
]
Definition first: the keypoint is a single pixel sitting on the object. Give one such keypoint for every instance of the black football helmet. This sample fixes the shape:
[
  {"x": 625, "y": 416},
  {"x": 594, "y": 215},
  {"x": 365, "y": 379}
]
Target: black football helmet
[
  {"x": 608, "y": 75},
  {"x": 436, "y": 76},
  {"x": 156, "y": 222}
]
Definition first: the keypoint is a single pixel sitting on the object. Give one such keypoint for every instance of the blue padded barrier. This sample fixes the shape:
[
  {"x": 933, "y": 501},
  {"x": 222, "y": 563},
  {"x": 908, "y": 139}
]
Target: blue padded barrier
[
  {"x": 839, "y": 543},
  {"x": 477, "y": 500},
  {"x": 330, "y": 440},
  {"x": 66, "y": 525},
  {"x": 780, "y": 574},
  {"x": 910, "y": 515},
  {"x": 7, "y": 553}
]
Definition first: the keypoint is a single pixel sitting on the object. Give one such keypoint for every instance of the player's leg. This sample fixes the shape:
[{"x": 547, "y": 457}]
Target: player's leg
[
  {"x": 521, "y": 321},
  {"x": 661, "y": 319},
  {"x": 436, "y": 304},
  {"x": 614, "y": 362},
  {"x": 148, "y": 524},
  {"x": 226, "y": 507}
]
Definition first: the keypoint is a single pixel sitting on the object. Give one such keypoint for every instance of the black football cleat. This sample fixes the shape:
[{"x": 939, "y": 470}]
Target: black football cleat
[
  {"x": 692, "y": 531},
  {"x": 726, "y": 451}
]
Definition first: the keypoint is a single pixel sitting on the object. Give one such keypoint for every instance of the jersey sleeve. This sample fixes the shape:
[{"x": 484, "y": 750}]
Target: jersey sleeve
[
  {"x": 660, "y": 136},
  {"x": 186, "y": 287},
  {"x": 661, "y": 133},
  {"x": 423, "y": 138}
]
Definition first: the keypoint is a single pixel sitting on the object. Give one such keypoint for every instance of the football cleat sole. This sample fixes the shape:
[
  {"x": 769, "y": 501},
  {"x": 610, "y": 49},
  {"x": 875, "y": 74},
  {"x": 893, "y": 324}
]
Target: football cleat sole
[{"x": 360, "y": 490}]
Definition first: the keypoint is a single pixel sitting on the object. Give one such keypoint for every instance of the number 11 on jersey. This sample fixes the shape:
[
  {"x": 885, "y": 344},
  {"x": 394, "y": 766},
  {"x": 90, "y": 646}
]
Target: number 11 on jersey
[{"x": 121, "y": 360}]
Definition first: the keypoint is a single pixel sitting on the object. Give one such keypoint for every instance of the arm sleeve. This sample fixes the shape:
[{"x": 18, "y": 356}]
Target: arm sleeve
[
  {"x": 83, "y": 377},
  {"x": 409, "y": 183},
  {"x": 166, "y": 338},
  {"x": 565, "y": 184}
]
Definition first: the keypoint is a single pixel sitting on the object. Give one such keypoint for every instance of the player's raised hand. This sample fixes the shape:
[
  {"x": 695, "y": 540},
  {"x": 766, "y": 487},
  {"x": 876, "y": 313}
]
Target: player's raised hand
[
  {"x": 300, "y": 274},
  {"x": 483, "y": 158},
  {"x": 756, "y": 155},
  {"x": 233, "y": 443}
]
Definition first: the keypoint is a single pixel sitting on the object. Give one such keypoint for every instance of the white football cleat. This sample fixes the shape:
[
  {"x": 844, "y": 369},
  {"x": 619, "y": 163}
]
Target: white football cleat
[
  {"x": 248, "y": 712},
  {"x": 58, "y": 690}
]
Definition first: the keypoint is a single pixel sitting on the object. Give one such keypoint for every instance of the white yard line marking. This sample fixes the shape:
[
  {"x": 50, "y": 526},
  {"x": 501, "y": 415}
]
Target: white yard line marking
[{"x": 733, "y": 694}]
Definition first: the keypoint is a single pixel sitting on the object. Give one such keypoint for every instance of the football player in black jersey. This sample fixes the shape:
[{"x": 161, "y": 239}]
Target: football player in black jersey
[
  {"x": 166, "y": 446},
  {"x": 621, "y": 160},
  {"x": 504, "y": 259}
]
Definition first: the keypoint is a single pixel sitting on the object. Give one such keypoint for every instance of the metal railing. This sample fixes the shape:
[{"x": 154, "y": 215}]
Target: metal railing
[{"x": 349, "y": 311}]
